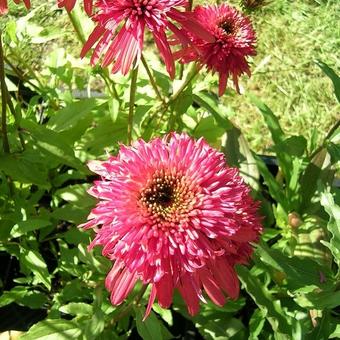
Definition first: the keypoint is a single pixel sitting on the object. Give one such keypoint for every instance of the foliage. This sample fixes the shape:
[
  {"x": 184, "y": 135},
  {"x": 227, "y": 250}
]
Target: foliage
[{"x": 66, "y": 113}]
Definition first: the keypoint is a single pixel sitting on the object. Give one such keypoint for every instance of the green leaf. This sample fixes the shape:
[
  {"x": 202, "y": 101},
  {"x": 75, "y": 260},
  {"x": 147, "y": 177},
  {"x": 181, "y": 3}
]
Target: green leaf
[
  {"x": 275, "y": 315},
  {"x": 51, "y": 143},
  {"x": 77, "y": 195},
  {"x": 334, "y": 151},
  {"x": 333, "y": 210},
  {"x": 208, "y": 129},
  {"x": 75, "y": 291},
  {"x": 270, "y": 119},
  {"x": 34, "y": 300},
  {"x": 180, "y": 106},
  {"x": 96, "y": 324},
  {"x": 238, "y": 154},
  {"x": 14, "y": 294},
  {"x": 77, "y": 308},
  {"x": 20, "y": 168},
  {"x": 256, "y": 324},
  {"x": 293, "y": 146},
  {"x": 319, "y": 300},
  {"x": 149, "y": 329},
  {"x": 24, "y": 227},
  {"x": 309, "y": 237},
  {"x": 104, "y": 134},
  {"x": 218, "y": 326},
  {"x": 207, "y": 102},
  {"x": 76, "y": 236},
  {"x": 275, "y": 189},
  {"x": 24, "y": 297},
  {"x": 69, "y": 117},
  {"x": 34, "y": 262},
  {"x": 332, "y": 75},
  {"x": 319, "y": 168},
  {"x": 70, "y": 213},
  {"x": 164, "y": 313},
  {"x": 299, "y": 272},
  {"x": 336, "y": 333},
  {"x": 286, "y": 148},
  {"x": 54, "y": 329}
]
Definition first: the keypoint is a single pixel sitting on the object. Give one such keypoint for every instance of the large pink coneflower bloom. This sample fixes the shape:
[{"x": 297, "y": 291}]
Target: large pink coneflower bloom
[
  {"x": 234, "y": 41},
  {"x": 4, "y": 5},
  {"x": 172, "y": 214},
  {"x": 69, "y": 5},
  {"x": 119, "y": 35}
]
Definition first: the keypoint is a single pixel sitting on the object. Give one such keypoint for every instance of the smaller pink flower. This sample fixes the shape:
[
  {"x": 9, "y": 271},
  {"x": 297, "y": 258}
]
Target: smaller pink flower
[
  {"x": 69, "y": 5},
  {"x": 4, "y": 5},
  {"x": 121, "y": 24},
  {"x": 234, "y": 42}
]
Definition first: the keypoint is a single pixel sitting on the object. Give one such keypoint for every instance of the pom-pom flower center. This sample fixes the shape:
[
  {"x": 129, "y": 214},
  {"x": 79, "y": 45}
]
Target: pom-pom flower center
[
  {"x": 227, "y": 27},
  {"x": 167, "y": 197},
  {"x": 143, "y": 7}
]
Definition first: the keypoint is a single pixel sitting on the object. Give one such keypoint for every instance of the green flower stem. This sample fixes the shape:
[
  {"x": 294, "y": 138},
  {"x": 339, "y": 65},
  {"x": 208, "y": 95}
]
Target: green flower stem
[
  {"x": 190, "y": 76},
  {"x": 3, "y": 100},
  {"x": 16, "y": 119},
  {"x": 152, "y": 80},
  {"x": 187, "y": 81},
  {"x": 161, "y": 110},
  {"x": 110, "y": 84},
  {"x": 133, "y": 88},
  {"x": 77, "y": 26}
]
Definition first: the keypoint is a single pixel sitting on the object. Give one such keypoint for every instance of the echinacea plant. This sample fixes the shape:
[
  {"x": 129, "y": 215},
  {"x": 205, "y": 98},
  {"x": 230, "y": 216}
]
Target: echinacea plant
[{"x": 181, "y": 226}]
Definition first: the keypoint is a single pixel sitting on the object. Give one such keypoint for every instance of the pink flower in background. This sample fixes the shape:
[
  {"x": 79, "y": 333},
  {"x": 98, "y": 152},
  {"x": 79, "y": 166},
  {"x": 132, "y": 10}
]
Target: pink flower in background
[
  {"x": 4, "y": 6},
  {"x": 234, "y": 42},
  {"x": 172, "y": 214},
  {"x": 119, "y": 35},
  {"x": 69, "y": 4}
]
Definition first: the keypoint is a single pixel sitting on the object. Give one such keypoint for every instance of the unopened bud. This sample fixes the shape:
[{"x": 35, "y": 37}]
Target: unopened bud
[{"x": 294, "y": 220}]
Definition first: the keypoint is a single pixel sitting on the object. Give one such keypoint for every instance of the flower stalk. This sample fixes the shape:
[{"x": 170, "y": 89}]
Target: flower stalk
[
  {"x": 152, "y": 80},
  {"x": 77, "y": 26},
  {"x": 133, "y": 89}
]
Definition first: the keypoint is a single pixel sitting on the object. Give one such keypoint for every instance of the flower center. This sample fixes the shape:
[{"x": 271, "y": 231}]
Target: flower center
[
  {"x": 167, "y": 197},
  {"x": 227, "y": 27},
  {"x": 160, "y": 193}
]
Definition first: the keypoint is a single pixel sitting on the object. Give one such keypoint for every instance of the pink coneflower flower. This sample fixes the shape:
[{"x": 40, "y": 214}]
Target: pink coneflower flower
[
  {"x": 130, "y": 18},
  {"x": 4, "y": 5},
  {"x": 172, "y": 214},
  {"x": 69, "y": 5},
  {"x": 234, "y": 41}
]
